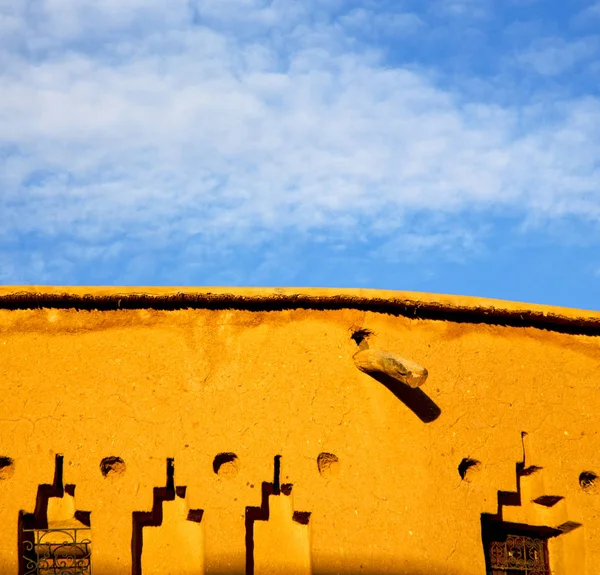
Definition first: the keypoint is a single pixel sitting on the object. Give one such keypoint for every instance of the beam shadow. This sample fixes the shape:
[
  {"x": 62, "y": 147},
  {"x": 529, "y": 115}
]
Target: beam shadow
[{"x": 415, "y": 399}]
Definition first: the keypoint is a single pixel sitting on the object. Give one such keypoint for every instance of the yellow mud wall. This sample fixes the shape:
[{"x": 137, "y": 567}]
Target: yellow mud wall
[{"x": 147, "y": 385}]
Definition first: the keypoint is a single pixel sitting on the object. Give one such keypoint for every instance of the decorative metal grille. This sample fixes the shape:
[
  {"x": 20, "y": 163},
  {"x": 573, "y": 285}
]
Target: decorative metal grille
[
  {"x": 57, "y": 551},
  {"x": 519, "y": 555}
]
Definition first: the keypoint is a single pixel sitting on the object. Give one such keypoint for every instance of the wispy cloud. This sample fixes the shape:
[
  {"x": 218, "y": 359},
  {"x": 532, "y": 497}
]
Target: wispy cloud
[
  {"x": 228, "y": 122},
  {"x": 370, "y": 24},
  {"x": 553, "y": 56},
  {"x": 468, "y": 8},
  {"x": 588, "y": 15}
]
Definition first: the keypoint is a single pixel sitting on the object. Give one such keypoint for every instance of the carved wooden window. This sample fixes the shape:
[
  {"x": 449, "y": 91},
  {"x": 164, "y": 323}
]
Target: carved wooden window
[{"x": 517, "y": 555}]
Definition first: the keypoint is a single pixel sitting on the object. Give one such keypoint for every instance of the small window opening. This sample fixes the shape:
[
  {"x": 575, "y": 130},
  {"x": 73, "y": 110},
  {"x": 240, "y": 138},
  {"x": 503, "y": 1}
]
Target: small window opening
[
  {"x": 54, "y": 542},
  {"x": 514, "y": 549}
]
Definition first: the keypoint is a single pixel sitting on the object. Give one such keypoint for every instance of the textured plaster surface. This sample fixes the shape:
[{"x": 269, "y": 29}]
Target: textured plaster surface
[{"x": 149, "y": 384}]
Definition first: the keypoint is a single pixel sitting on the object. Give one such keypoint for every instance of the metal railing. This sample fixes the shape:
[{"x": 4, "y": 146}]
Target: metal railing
[
  {"x": 519, "y": 554},
  {"x": 57, "y": 551}
]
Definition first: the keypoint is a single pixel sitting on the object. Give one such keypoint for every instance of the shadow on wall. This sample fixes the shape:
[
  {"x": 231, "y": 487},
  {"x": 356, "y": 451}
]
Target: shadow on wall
[
  {"x": 415, "y": 399},
  {"x": 336, "y": 570},
  {"x": 411, "y": 570},
  {"x": 154, "y": 518}
]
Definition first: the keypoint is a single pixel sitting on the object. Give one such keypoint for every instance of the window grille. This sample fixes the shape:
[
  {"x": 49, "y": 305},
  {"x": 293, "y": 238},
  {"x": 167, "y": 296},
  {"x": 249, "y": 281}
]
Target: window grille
[
  {"x": 57, "y": 551},
  {"x": 518, "y": 555}
]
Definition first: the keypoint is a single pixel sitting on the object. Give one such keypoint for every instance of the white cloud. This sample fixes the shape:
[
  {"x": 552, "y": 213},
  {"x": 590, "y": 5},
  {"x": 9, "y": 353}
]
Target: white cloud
[
  {"x": 463, "y": 8},
  {"x": 587, "y": 16},
  {"x": 128, "y": 119},
  {"x": 410, "y": 245},
  {"x": 553, "y": 56},
  {"x": 369, "y": 23}
]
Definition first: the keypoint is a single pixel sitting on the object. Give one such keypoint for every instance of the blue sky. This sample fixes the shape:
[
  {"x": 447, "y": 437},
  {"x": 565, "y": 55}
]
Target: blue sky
[{"x": 450, "y": 146}]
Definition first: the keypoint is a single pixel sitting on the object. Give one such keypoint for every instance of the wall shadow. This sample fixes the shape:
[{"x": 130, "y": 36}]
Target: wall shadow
[
  {"x": 415, "y": 399},
  {"x": 413, "y": 568},
  {"x": 256, "y": 514},
  {"x": 39, "y": 518},
  {"x": 154, "y": 518},
  {"x": 31, "y": 523},
  {"x": 261, "y": 513},
  {"x": 334, "y": 569},
  {"x": 495, "y": 531}
]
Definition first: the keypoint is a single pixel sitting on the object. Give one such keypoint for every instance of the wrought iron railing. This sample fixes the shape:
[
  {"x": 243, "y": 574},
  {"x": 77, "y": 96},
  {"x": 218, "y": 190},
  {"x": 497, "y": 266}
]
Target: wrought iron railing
[
  {"x": 57, "y": 551},
  {"x": 519, "y": 554}
]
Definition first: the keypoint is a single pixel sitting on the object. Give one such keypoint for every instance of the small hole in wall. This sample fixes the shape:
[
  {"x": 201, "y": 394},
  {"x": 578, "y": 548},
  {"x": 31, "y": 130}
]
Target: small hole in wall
[
  {"x": 467, "y": 467},
  {"x": 112, "y": 466},
  {"x": 587, "y": 480},
  {"x": 7, "y": 468},
  {"x": 328, "y": 464},
  {"x": 360, "y": 335},
  {"x": 226, "y": 465}
]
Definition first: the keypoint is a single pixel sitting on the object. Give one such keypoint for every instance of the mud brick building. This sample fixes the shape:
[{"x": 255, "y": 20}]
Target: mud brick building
[{"x": 229, "y": 431}]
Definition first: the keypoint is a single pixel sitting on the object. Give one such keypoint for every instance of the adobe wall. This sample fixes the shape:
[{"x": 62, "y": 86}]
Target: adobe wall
[{"x": 279, "y": 379}]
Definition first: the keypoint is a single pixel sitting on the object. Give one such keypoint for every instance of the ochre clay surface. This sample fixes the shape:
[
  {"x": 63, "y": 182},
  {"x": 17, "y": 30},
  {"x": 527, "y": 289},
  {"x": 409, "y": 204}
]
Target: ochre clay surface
[{"x": 373, "y": 478}]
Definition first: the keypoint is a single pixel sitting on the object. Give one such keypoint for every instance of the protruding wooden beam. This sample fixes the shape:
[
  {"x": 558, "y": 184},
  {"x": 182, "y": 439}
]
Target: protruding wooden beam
[{"x": 399, "y": 368}]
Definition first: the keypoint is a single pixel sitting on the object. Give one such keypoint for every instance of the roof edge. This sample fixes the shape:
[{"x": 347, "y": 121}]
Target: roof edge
[{"x": 416, "y": 305}]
